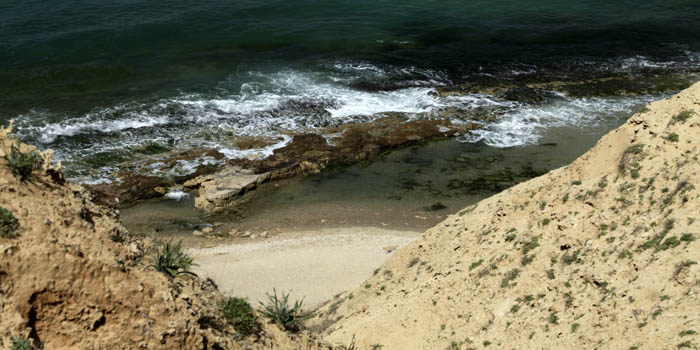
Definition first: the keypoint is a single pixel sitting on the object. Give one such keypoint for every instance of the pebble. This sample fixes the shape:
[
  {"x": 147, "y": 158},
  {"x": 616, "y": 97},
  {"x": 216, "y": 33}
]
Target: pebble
[
  {"x": 197, "y": 233},
  {"x": 208, "y": 230}
]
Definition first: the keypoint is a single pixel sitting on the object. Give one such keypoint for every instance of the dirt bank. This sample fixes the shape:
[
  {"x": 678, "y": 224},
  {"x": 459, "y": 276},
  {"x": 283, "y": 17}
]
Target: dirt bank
[{"x": 600, "y": 254}]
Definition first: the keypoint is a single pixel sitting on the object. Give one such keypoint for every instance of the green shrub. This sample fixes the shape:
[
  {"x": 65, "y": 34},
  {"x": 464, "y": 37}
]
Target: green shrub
[
  {"x": 22, "y": 164},
  {"x": 682, "y": 116},
  {"x": 8, "y": 223},
  {"x": 279, "y": 311},
  {"x": 673, "y": 137},
  {"x": 510, "y": 276},
  {"x": 687, "y": 237},
  {"x": 19, "y": 343},
  {"x": 240, "y": 315},
  {"x": 171, "y": 259}
]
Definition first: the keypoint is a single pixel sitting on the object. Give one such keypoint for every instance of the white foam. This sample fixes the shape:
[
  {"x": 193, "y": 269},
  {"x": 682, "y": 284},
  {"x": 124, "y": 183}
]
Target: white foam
[
  {"x": 70, "y": 127},
  {"x": 526, "y": 125},
  {"x": 257, "y": 153},
  {"x": 176, "y": 194},
  {"x": 261, "y": 108}
]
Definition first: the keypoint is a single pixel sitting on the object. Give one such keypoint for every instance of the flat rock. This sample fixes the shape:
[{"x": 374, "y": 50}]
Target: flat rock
[{"x": 224, "y": 188}]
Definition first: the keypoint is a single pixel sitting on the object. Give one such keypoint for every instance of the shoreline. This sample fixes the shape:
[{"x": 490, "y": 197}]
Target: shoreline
[{"x": 149, "y": 169}]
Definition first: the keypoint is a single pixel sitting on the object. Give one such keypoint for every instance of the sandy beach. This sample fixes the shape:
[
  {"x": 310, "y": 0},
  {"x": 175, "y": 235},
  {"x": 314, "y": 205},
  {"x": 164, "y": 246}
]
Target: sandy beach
[{"x": 314, "y": 265}]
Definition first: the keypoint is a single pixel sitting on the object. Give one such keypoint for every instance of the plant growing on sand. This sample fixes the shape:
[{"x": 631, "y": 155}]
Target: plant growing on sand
[
  {"x": 8, "y": 223},
  {"x": 279, "y": 311},
  {"x": 19, "y": 343},
  {"x": 681, "y": 117},
  {"x": 22, "y": 164},
  {"x": 628, "y": 159},
  {"x": 171, "y": 259},
  {"x": 239, "y": 314}
]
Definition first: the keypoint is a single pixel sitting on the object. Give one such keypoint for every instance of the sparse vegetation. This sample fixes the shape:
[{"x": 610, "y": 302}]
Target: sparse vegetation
[
  {"x": 534, "y": 243},
  {"x": 673, "y": 137},
  {"x": 454, "y": 345},
  {"x": 279, "y": 310},
  {"x": 682, "y": 117},
  {"x": 171, "y": 259},
  {"x": 527, "y": 259},
  {"x": 413, "y": 262},
  {"x": 240, "y": 315},
  {"x": 627, "y": 160},
  {"x": 625, "y": 254},
  {"x": 19, "y": 343},
  {"x": 8, "y": 224},
  {"x": 475, "y": 264},
  {"x": 687, "y": 332},
  {"x": 687, "y": 237},
  {"x": 685, "y": 344},
  {"x": 575, "y": 327},
  {"x": 682, "y": 266},
  {"x": 22, "y": 164},
  {"x": 510, "y": 276},
  {"x": 351, "y": 346},
  {"x": 553, "y": 318},
  {"x": 572, "y": 258}
]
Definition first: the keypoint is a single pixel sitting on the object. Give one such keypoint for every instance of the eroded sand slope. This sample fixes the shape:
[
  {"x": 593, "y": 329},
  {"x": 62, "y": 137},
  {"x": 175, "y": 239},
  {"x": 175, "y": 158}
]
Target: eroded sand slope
[
  {"x": 599, "y": 254},
  {"x": 74, "y": 278}
]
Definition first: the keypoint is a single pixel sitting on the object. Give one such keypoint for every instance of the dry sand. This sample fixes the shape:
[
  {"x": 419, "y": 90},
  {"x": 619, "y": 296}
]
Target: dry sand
[
  {"x": 600, "y": 254},
  {"x": 314, "y": 265}
]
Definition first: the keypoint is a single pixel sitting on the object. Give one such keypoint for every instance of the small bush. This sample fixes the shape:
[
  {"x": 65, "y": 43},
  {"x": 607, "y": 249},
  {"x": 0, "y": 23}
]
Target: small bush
[
  {"x": 627, "y": 160},
  {"x": 673, "y": 137},
  {"x": 8, "y": 223},
  {"x": 279, "y": 311},
  {"x": 534, "y": 243},
  {"x": 171, "y": 259},
  {"x": 682, "y": 116},
  {"x": 687, "y": 237},
  {"x": 240, "y": 315},
  {"x": 510, "y": 276},
  {"x": 22, "y": 164},
  {"x": 19, "y": 343}
]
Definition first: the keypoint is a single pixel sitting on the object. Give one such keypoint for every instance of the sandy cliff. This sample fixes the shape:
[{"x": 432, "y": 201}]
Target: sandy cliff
[
  {"x": 599, "y": 254},
  {"x": 71, "y": 277}
]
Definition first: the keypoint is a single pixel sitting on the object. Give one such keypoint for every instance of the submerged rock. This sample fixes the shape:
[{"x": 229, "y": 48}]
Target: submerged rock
[{"x": 306, "y": 154}]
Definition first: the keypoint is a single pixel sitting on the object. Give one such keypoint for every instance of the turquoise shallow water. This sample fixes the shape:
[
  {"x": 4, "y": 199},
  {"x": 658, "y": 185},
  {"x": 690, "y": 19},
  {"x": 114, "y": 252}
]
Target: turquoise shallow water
[{"x": 93, "y": 79}]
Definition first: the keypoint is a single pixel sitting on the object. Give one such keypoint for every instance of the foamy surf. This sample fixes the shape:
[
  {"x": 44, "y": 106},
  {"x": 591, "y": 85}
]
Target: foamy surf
[{"x": 288, "y": 101}]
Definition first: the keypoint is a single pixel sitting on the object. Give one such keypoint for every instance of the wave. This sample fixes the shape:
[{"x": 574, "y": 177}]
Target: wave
[
  {"x": 527, "y": 125},
  {"x": 286, "y": 101}
]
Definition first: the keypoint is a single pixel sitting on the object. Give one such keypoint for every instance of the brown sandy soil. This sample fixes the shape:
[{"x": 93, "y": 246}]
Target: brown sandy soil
[
  {"x": 313, "y": 265},
  {"x": 71, "y": 277},
  {"x": 601, "y": 254}
]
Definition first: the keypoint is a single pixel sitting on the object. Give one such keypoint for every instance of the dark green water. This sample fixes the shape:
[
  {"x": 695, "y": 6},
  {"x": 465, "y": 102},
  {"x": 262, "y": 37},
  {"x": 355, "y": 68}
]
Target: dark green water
[{"x": 93, "y": 79}]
